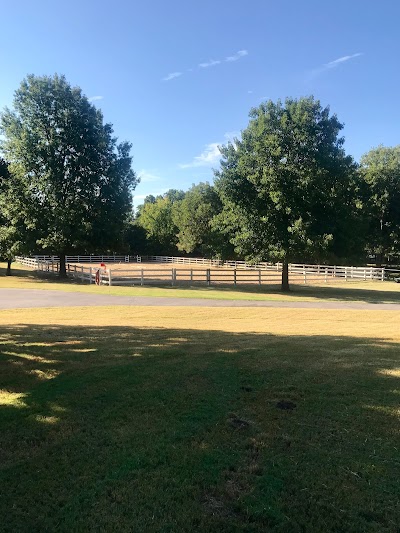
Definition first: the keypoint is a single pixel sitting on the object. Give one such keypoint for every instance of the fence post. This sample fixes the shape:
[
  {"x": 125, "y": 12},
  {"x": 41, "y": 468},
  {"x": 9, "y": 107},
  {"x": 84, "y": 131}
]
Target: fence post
[
  {"x": 141, "y": 277},
  {"x": 305, "y": 275},
  {"x": 109, "y": 277},
  {"x": 345, "y": 273},
  {"x": 191, "y": 274},
  {"x": 90, "y": 277},
  {"x": 172, "y": 276},
  {"x": 208, "y": 277},
  {"x": 365, "y": 274},
  {"x": 326, "y": 275},
  {"x": 82, "y": 277},
  {"x": 334, "y": 271},
  {"x": 259, "y": 277},
  {"x": 234, "y": 276},
  {"x": 383, "y": 275}
]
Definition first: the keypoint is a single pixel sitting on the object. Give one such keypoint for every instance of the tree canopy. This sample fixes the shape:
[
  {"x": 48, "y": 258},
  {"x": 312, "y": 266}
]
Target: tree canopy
[
  {"x": 72, "y": 180},
  {"x": 193, "y": 216},
  {"x": 380, "y": 168},
  {"x": 287, "y": 185}
]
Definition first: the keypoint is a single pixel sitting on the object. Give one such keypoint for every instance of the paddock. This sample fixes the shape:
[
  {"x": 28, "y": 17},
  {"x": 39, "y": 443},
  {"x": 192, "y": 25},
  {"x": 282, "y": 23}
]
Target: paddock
[{"x": 160, "y": 270}]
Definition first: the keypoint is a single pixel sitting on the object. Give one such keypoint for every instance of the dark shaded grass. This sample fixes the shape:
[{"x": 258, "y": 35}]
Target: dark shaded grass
[{"x": 179, "y": 430}]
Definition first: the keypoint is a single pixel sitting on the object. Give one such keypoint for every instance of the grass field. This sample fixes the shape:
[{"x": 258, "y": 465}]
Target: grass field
[{"x": 169, "y": 419}]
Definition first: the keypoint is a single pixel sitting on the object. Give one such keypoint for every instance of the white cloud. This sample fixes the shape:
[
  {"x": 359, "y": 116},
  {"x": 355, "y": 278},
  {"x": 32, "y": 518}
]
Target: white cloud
[
  {"x": 238, "y": 55},
  {"x": 95, "y": 98},
  {"x": 210, "y": 63},
  {"x": 148, "y": 177},
  {"x": 337, "y": 62},
  {"x": 332, "y": 64},
  {"x": 172, "y": 75},
  {"x": 210, "y": 155}
]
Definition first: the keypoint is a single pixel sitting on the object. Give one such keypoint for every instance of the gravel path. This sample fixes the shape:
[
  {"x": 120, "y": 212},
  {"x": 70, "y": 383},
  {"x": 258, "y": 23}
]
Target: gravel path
[{"x": 32, "y": 298}]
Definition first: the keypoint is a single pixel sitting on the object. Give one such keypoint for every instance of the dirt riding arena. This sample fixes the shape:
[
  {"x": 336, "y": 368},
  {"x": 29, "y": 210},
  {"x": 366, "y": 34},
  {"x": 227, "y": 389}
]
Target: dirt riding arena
[
  {"x": 160, "y": 270},
  {"x": 150, "y": 273}
]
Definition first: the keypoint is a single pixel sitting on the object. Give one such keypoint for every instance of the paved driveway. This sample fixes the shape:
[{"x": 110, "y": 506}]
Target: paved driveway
[{"x": 31, "y": 298}]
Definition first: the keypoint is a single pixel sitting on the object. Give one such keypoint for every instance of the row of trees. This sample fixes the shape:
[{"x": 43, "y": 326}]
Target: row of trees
[{"x": 285, "y": 190}]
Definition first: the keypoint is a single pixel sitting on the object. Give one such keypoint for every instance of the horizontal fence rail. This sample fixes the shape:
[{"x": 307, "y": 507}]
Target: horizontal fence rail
[
  {"x": 92, "y": 258},
  {"x": 221, "y": 274}
]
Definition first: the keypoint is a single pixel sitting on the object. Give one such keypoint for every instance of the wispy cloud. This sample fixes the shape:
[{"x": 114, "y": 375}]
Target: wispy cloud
[
  {"x": 172, "y": 75},
  {"x": 332, "y": 64},
  {"x": 148, "y": 177},
  {"x": 210, "y": 155},
  {"x": 340, "y": 60},
  {"x": 209, "y": 63},
  {"x": 237, "y": 56},
  {"x": 95, "y": 98}
]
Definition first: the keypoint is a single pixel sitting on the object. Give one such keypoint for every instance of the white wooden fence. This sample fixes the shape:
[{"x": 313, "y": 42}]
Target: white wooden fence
[
  {"x": 92, "y": 258},
  {"x": 229, "y": 273},
  {"x": 306, "y": 270}
]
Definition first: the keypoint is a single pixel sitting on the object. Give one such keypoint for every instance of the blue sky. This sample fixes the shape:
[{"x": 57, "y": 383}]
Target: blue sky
[{"x": 178, "y": 78}]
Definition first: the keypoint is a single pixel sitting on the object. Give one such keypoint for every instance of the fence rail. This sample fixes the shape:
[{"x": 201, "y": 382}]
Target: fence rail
[
  {"x": 228, "y": 275},
  {"x": 92, "y": 258}
]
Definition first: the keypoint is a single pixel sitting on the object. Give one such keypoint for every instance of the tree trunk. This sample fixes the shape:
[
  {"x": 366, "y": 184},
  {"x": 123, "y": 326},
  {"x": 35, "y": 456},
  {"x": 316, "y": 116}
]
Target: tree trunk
[
  {"x": 9, "y": 261},
  {"x": 285, "y": 276},
  {"x": 63, "y": 271}
]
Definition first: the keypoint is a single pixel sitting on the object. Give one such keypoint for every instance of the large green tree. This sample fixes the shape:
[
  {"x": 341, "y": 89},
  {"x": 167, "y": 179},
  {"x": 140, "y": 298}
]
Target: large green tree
[
  {"x": 380, "y": 169},
  {"x": 287, "y": 186},
  {"x": 74, "y": 180}
]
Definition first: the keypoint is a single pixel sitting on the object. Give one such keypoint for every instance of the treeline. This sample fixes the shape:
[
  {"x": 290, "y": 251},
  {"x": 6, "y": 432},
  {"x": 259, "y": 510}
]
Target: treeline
[{"x": 285, "y": 190}]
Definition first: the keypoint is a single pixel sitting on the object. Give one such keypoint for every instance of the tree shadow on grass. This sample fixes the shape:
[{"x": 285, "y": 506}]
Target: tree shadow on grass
[{"x": 153, "y": 429}]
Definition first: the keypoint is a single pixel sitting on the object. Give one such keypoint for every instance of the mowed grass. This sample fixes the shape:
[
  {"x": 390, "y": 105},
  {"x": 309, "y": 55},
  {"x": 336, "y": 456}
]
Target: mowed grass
[
  {"x": 169, "y": 419},
  {"x": 358, "y": 291}
]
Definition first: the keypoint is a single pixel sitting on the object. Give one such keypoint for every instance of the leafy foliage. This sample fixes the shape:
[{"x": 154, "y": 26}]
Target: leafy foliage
[
  {"x": 287, "y": 186},
  {"x": 193, "y": 217},
  {"x": 155, "y": 216},
  {"x": 74, "y": 179},
  {"x": 380, "y": 169}
]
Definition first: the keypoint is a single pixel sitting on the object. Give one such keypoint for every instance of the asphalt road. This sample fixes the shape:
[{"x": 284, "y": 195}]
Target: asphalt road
[{"x": 34, "y": 298}]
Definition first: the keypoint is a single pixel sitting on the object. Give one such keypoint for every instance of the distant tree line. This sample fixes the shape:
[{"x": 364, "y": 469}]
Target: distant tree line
[{"x": 285, "y": 190}]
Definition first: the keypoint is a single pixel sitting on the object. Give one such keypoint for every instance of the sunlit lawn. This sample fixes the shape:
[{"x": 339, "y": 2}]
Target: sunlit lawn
[
  {"x": 165, "y": 419},
  {"x": 361, "y": 291}
]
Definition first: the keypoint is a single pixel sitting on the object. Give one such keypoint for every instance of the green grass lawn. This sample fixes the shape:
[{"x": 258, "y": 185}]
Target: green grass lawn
[
  {"x": 138, "y": 419},
  {"x": 360, "y": 291}
]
